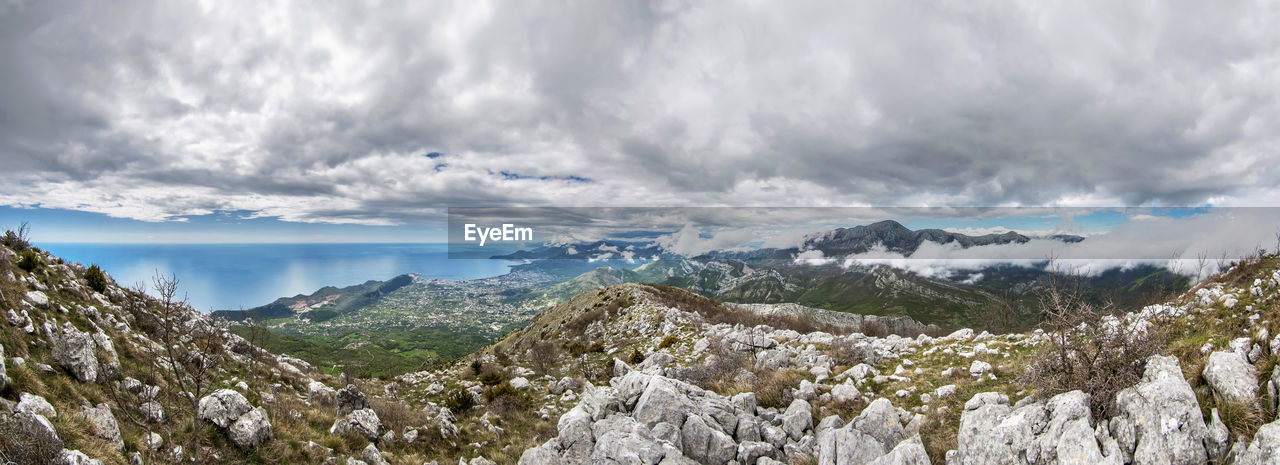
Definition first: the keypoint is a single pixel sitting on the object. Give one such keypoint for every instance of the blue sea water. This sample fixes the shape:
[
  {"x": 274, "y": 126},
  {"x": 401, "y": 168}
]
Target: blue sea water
[{"x": 233, "y": 276}]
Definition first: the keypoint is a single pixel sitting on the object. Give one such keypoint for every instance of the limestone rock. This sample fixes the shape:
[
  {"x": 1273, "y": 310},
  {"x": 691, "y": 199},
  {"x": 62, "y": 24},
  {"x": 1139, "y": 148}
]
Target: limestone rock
[
  {"x": 519, "y": 383},
  {"x": 908, "y": 452},
  {"x": 73, "y": 350},
  {"x": 1159, "y": 419},
  {"x": 372, "y": 456},
  {"x": 33, "y": 404},
  {"x": 365, "y": 422},
  {"x": 222, "y": 407},
  {"x": 351, "y": 399},
  {"x": 320, "y": 394},
  {"x": 798, "y": 418},
  {"x": 1231, "y": 376},
  {"x": 251, "y": 429},
  {"x": 103, "y": 424}
]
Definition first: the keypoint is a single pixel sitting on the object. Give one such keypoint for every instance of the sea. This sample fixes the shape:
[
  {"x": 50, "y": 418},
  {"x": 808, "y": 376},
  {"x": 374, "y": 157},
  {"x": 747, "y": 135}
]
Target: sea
[{"x": 236, "y": 276}]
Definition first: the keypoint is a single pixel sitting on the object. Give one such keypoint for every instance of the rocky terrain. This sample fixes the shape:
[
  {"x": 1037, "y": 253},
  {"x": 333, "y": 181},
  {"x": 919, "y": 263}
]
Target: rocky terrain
[{"x": 633, "y": 373}]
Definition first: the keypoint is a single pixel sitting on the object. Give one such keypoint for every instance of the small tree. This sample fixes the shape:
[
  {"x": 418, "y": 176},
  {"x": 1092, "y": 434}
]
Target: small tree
[
  {"x": 257, "y": 335},
  {"x": 544, "y": 355},
  {"x": 190, "y": 364},
  {"x": 96, "y": 278},
  {"x": 18, "y": 240}
]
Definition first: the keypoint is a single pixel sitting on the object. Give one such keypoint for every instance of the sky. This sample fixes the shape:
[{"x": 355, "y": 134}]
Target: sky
[{"x": 348, "y": 120}]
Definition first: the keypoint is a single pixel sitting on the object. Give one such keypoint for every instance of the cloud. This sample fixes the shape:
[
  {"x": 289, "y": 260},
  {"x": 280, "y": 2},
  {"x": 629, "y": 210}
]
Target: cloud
[
  {"x": 1196, "y": 245},
  {"x": 690, "y": 241},
  {"x": 326, "y": 112}
]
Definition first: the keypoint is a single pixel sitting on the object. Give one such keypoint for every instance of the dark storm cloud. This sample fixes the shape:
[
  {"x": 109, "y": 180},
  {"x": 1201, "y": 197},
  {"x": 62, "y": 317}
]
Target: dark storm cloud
[{"x": 324, "y": 111}]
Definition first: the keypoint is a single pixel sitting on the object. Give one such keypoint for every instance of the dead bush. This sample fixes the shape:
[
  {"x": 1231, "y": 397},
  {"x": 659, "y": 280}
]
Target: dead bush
[
  {"x": 717, "y": 372},
  {"x": 874, "y": 329},
  {"x": 1088, "y": 349},
  {"x": 844, "y": 351},
  {"x": 21, "y": 443},
  {"x": 544, "y": 355}
]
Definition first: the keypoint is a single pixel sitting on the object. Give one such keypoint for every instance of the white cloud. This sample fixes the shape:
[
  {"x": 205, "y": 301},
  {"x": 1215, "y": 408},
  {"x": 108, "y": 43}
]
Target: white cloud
[
  {"x": 1192, "y": 245},
  {"x": 323, "y": 112},
  {"x": 689, "y": 241}
]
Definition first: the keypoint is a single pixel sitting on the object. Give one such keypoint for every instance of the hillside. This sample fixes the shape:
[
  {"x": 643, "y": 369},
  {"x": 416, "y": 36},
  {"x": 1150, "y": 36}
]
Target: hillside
[
  {"x": 96, "y": 373},
  {"x": 323, "y": 304}
]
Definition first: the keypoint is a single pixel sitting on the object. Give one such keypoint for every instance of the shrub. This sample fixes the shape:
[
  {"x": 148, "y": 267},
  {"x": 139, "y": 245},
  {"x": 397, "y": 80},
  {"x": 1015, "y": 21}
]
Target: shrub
[
  {"x": 774, "y": 388},
  {"x": 501, "y": 389},
  {"x": 17, "y": 240},
  {"x": 544, "y": 355},
  {"x": 96, "y": 278},
  {"x": 1089, "y": 352},
  {"x": 845, "y": 352},
  {"x": 578, "y": 348},
  {"x": 668, "y": 341},
  {"x": 874, "y": 329},
  {"x": 459, "y": 401},
  {"x": 29, "y": 261},
  {"x": 636, "y": 357},
  {"x": 490, "y": 378},
  {"x": 21, "y": 444},
  {"x": 505, "y": 400}
]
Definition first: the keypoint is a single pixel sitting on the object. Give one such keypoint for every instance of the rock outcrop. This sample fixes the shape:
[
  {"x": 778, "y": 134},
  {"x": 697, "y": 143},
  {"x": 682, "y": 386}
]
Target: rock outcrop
[
  {"x": 364, "y": 422},
  {"x": 1159, "y": 419},
  {"x": 246, "y": 426},
  {"x": 350, "y": 399},
  {"x": 223, "y": 407},
  {"x": 103, "y": 423},
  {"x": 73, "y": 350},
  {"x": 645, "y": 417},
  {"x": 251, "y": 429},
  {"x": 1232, "y": 376}
]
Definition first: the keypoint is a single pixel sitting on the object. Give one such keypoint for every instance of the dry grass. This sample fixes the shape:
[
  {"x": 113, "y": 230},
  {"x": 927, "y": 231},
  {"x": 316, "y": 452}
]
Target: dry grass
[
  {"x": 773, "y": 390},
  {"x": 76, "y": 432},
  {"x": 396, "y": 414},
  {"x": 1242, "y": 419},
  {"x": 23, "y": 445}
]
